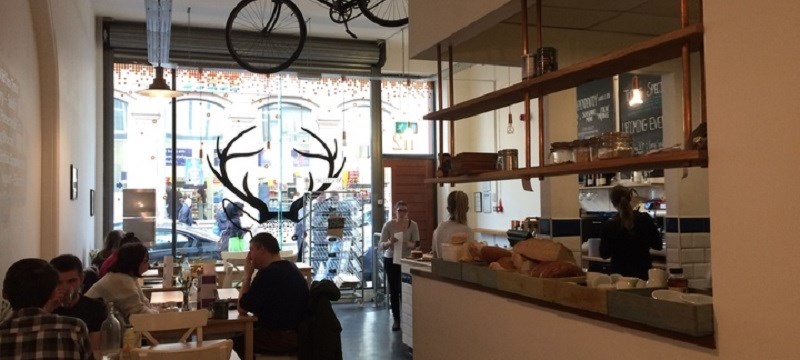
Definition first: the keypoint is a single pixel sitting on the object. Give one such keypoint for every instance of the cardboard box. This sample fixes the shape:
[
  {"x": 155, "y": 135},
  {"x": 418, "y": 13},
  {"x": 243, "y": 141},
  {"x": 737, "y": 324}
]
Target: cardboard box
[
  {"x": 479, "y": 273},
  {"x": 448, "y": 269},
  {"x": 637, "y": 305}
]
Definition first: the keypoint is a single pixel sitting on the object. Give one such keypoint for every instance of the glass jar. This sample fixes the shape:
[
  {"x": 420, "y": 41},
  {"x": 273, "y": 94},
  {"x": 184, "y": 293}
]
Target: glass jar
[
  {"x": 594, "y": 146},
  {"x": 560, "y": 152},
  {"x": 546, "y": 60},
  {"x": 676, "y": 281},
  {"x": 581, "y": 151},
  {"x": 615, "y": 145}
]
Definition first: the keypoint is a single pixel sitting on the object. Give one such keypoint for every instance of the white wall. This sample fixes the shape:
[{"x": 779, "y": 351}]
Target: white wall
[
  {"x": 47, "y": 47},
  {"x": 19, "y": 165}
]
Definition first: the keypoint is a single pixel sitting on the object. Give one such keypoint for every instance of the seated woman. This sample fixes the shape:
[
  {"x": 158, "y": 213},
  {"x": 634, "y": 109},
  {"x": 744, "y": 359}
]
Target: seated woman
[
  {"x": 127, "y": 238},
  {"x": 457, "y": 206},
  {"x": 120, "y": 285}
]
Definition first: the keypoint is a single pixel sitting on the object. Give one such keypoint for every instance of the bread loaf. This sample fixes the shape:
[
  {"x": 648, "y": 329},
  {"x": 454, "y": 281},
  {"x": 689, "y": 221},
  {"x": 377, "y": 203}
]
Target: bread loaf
[
  {"x": 556, "y": 269},
  {"x": 544, "y": 250},
  {"x": 497, "y": 266},
  {"x": 506, "y": 263},
  {"x": 491, "y": 254}
]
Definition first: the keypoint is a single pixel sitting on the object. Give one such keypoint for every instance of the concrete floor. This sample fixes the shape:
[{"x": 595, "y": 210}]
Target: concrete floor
[{"x": 367, "y": 334}]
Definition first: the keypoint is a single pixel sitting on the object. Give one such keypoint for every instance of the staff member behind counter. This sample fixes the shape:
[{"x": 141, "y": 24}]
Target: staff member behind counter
[{"x": 628, "y": 237}]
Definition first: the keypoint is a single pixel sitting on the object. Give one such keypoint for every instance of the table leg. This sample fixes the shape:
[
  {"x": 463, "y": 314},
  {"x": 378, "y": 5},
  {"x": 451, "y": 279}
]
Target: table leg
[{"x": 248, "y": 340}]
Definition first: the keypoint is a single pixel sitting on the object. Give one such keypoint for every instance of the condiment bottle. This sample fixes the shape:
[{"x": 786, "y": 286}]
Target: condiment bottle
[{"x": 676, "y": 280}]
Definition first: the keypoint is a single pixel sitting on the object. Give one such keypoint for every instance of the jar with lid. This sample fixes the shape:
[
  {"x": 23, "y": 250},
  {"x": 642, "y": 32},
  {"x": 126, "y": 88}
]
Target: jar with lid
[
  {"x": 507, "y": 159},
  {"x": 615, "y": 145},
  {"x": 560, "y": 152},
  {"x": 580, "y": 151},
  {"x": 546, "y": 60},
  {"x": 676, "y": 281}
]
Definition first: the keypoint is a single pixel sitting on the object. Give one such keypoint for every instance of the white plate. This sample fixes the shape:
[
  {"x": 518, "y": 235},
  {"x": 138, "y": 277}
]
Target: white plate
[
  {"x": 668, "y": 295},
  {"x": 697, "y": 299}
]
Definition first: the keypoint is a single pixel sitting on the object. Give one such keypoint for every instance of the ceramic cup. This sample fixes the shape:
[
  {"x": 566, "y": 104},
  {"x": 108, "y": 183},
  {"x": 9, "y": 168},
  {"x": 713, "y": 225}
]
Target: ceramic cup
[
  {"x": 591, "y": 277},
  {"x": 615, "y": 277},
  {"x": 626, "y": 282},
  {"x": 656, "y": 277},
  {"x": 600, "y": 280}
]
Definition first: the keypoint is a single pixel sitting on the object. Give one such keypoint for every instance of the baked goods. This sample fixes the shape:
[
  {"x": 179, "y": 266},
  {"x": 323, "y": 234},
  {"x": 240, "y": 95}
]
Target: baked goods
[
  {"x": 556, "y": 269},
  {"x": 506, "y": 263},
  {"x": 543, "y": 250},
  {"x": 491, "y": 254},
  {"x": 416, "y": 254}
]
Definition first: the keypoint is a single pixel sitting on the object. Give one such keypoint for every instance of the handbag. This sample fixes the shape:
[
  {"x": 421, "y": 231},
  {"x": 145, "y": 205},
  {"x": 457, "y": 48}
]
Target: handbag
[{"x": 236, "y": 244}]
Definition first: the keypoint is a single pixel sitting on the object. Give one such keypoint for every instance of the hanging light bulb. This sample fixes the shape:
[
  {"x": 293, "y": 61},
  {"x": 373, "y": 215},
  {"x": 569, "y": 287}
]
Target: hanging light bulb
[{"x": 636, "y": 92}]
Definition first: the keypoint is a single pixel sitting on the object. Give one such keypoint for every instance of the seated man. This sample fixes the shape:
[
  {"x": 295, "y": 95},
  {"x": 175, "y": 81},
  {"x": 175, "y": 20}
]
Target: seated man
[
  {"x": 31, "y": 286},
  {"x": 73, "y": 304},
  {"x": 278, "y": 296}
]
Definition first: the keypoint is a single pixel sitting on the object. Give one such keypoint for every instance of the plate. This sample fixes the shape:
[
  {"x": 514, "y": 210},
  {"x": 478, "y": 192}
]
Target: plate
[
  {"x": 668, "y": 295},
  {"x": 697, "y": 299}
]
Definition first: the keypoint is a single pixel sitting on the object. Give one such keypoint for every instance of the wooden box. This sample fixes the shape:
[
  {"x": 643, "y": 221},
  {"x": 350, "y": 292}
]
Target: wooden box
[
  {"x": 479, "y": 273},
  {"x": 573, "y": 293},
  {"x": 637, "y": 305},
  {"x": 471, "y": 163},
  {"x": 524, "y": 285},
  {"x": 448, "y": 269}
]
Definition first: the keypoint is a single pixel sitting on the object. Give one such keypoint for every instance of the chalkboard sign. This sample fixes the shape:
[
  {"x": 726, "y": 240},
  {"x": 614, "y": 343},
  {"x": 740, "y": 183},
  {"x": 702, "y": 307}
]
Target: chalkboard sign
[
  {"x": 595, "y": 108},
  {"x": 642, "y": 121}
]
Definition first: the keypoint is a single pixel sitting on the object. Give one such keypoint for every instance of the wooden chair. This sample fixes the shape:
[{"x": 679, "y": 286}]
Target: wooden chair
[
  {"x": 233, "y": 262},
  {"x": 193, "y": 322}
]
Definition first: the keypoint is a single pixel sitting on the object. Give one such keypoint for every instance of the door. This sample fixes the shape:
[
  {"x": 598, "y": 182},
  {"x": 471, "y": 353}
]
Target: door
[{"x": 408, "y": 175}]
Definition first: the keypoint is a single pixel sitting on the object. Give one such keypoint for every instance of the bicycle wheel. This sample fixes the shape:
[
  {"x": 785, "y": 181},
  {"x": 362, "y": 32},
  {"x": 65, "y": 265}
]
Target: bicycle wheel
[
  {"x": 265, "y": 36},
  {"x": 389, "y": 13}
]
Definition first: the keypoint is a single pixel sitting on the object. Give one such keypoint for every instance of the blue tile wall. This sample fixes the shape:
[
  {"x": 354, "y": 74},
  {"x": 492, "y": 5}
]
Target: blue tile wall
[
  {"x": 687, "y": 225},
  {"x": 560, "y": 227}
]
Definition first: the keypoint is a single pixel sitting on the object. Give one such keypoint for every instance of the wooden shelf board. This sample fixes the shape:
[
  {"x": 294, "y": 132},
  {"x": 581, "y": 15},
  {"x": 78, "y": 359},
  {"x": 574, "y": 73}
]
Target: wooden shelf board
[
  {"x": 665, "y": 160},
  {"x": 636, "y": 56}
]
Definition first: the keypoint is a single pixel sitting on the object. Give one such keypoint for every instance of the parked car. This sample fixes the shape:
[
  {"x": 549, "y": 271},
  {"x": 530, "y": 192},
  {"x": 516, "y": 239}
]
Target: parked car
[{"x": 194, "y": 243}]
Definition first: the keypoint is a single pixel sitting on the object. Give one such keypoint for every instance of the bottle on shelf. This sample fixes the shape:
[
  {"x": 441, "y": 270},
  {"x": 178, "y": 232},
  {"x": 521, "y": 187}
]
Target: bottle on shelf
[
  {"x": 110, "y": 335},
  {"x": 677, "y": 281},
  {"x": 193, "y": 295}
]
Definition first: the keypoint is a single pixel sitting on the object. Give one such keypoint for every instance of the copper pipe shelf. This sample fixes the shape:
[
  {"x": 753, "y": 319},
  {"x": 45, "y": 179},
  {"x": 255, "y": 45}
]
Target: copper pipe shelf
[
  {"x": 641, "y": 54},
  {"x": 665, "y": 160}
]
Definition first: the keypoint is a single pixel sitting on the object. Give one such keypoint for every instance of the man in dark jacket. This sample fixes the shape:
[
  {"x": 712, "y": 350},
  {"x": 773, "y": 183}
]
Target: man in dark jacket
[{"x": 321, "y": 335}]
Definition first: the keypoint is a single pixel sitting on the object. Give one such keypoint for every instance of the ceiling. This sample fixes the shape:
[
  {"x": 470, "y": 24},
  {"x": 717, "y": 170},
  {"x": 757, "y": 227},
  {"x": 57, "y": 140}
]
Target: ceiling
[{"x": 214, "y": 14}]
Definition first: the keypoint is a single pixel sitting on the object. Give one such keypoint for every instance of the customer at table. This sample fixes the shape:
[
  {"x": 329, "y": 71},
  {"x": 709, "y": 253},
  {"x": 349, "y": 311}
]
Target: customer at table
[
  {"x": 110, "y": 245},
  {"x": 409, "y": 236},
  {"x": 120, "y": 284},
  {"x": 628, "y": 237},
  {"x": 127, "y": 238},
  {"x": 278, "y": 296},
  {"x": 457, "y": 207},
  {"x": 32, "y": 332},
  {"x": 73, "y": 303}
]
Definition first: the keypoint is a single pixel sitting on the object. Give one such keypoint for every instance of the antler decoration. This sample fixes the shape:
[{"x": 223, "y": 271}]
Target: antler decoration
[{"x": 244, "y": 193}]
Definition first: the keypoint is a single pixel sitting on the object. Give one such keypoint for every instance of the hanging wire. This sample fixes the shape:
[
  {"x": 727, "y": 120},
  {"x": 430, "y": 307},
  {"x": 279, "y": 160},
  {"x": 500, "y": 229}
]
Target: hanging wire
[{"x": 510, "y": 129}]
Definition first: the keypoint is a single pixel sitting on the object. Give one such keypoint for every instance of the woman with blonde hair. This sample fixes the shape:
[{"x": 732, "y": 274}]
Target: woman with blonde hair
[{"x": 457, "y": 207}]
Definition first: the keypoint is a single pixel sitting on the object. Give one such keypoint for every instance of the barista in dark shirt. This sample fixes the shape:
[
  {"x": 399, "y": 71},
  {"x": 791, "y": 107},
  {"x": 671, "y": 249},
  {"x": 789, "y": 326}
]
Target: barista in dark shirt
[
  {"x": 73, "y": 303},
  {"x": 628, "y": 237},
  {"x": 278, "y": 296}
]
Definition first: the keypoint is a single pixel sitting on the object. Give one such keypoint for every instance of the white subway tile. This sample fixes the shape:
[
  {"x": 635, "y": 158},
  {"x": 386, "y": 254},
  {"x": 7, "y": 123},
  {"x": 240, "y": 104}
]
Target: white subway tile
[
  {"x": 698, "y": 283},
  {"x": 673, "y": 240},
  {"x": 708, "y": 255},
  {"x": 686, "y": 240},
  {"x": 688, "y": 271},
  {"x": 701, "y": 270},
  {"x": 702, "y": 240},
  {"x": 693, "y": 255},
  {"x": 674, "y": 256}
]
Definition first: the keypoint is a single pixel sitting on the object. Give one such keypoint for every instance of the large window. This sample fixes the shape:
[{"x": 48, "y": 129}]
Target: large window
[{"x": 274, "y": 120}]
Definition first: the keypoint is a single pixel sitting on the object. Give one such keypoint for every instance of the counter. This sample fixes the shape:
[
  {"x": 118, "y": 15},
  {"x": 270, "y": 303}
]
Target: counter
[
  {"x": 406, "y": 309},
  {"x": 469, "y": 321}
]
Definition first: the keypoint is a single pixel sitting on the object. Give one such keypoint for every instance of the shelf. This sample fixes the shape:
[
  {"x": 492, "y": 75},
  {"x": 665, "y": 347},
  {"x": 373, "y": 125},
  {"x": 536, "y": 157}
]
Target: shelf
[
  {"x": 625, "y": 184},
  {"x": 665, "y": 160},
  {"x": 641, "y": 54}
]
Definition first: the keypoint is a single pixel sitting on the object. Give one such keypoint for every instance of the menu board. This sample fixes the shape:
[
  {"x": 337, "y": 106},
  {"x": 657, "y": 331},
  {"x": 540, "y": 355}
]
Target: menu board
[
  {"x": 595, "y": 108},
  {"x": 642, "y": 121}
]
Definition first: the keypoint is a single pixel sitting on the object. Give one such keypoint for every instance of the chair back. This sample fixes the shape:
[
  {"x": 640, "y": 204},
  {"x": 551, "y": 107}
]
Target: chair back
[
  {"x": 232, "y": 262},
  {"x": 220, "y": 349},
  {"x": 193, "y": 321}
]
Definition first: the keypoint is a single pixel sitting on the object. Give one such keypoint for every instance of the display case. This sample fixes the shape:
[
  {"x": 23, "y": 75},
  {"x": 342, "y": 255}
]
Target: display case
[{"x": 335, "y": 225}]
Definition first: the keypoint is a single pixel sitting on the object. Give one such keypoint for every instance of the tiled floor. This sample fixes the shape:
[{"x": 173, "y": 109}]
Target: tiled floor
[{"x": 367, "y": 334}]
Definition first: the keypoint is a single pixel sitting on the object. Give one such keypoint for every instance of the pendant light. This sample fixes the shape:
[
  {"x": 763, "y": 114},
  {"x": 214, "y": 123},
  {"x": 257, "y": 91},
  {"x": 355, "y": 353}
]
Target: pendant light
[
  {"x": 636, "y": 92},
  {"x": 159, "y": 21}
]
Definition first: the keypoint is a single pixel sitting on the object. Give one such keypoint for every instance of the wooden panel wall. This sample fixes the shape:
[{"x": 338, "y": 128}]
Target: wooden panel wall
[{"x": 407, "y": 184}]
